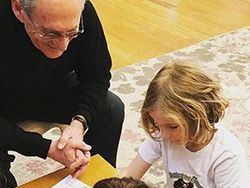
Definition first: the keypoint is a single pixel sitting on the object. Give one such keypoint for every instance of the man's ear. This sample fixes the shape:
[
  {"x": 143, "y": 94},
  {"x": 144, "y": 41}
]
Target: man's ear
[{"x": 17, "y": 10}]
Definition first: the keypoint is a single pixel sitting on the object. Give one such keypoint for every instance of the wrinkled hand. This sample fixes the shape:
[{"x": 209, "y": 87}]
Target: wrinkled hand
[
  {"x": 74, "y": 152},
  {"x": 82, "y": 167},
  {"x": 82, "y": 155},
  {"x": 73, "y": 131}
]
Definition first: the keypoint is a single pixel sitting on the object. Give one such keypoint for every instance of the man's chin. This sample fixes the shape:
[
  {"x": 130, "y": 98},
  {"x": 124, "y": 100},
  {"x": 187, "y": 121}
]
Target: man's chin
[{"x": 53, "y": 54}]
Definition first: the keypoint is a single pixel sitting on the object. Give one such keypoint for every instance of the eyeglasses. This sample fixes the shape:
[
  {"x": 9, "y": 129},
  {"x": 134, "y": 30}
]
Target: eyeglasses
[{"x": 55, "y": 35}]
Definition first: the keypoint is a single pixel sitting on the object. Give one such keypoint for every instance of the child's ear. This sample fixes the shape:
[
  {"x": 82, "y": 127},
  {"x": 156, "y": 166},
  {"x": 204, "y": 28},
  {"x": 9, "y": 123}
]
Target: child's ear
[{"x": 17, "y": 10}]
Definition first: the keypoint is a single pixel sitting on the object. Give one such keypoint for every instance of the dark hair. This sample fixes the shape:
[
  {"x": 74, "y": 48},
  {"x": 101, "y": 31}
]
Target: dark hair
[
  {"x": 125, "y": 182},
  {"x": 28, "y": 6}
]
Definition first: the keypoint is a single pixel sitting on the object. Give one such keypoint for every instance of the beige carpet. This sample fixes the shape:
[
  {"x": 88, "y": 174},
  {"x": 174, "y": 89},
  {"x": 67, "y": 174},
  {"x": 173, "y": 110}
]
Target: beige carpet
[{"x": 226, "y": 56}]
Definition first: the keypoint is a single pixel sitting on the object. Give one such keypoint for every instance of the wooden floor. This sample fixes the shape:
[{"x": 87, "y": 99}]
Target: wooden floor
[{"x": 142, "y": 29}]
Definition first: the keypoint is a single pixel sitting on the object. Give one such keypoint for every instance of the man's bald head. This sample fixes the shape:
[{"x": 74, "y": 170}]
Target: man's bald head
[
  {"x": 29, "y": 5},
  {"x": 50, "y": 17}
]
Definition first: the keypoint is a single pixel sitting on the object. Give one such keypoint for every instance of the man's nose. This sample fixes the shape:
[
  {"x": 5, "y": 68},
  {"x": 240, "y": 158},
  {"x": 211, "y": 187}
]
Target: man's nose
[{"x": 62, "y": 43}]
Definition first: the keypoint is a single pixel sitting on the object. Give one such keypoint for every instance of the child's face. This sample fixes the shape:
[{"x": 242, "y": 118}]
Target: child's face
[{"x": 170, "y": 130}]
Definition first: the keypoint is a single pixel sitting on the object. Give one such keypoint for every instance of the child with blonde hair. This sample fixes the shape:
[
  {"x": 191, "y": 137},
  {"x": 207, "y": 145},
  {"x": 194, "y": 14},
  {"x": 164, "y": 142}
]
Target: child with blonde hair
[{"x": 180, "y": 113}]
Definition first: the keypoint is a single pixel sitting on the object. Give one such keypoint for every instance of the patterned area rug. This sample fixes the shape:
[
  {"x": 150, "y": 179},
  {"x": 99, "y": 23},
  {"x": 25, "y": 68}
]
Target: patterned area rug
[{"x": 226, "y": 56}]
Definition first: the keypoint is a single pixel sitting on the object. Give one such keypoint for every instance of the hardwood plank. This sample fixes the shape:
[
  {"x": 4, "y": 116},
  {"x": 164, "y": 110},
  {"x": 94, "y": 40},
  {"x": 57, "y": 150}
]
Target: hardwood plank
[{"x": 140, "y": 29}]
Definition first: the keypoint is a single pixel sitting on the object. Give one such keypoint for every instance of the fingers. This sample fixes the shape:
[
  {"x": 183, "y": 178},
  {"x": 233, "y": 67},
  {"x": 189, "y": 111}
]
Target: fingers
[
  {"x": 70, "y": 155},
  {"x": 87, "y": 155},
  {"x": 69, "y": 146},
  {"x": 64, "y": 144},
  {"x": 84, "y": 162},
  {"x": 81, "y": 159},
  {"x": 69, "y": 133},
  {"x": 81, "y": 146},
  {"x": 78, "y": 171},
  {"x": 63, "y": 141}
]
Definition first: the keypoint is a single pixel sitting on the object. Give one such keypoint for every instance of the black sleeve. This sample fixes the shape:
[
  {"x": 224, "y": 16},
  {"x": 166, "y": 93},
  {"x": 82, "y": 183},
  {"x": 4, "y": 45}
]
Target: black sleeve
[
  {"x": 92, "y": 67},
  {"x": 14, "y": 138}
]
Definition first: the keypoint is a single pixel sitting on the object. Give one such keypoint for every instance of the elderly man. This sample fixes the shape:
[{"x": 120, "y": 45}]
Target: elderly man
[{"x": 55, "y": 67}]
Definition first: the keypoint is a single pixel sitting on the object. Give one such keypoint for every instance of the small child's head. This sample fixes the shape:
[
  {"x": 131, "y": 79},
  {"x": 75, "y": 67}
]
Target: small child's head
[
  {"x": 183, "y": 103},
  {"x": 124, "y": 182}
]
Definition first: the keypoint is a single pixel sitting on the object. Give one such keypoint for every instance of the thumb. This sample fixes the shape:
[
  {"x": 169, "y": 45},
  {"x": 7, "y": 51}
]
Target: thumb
[
  {"x": 62, "y": 141},
  {"x": 84, "y": 147}
]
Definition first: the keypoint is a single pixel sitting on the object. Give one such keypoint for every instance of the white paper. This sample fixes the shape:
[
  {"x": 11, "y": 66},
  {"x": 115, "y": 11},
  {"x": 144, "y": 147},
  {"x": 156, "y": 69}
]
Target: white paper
[{"x": 70, "y": 182}]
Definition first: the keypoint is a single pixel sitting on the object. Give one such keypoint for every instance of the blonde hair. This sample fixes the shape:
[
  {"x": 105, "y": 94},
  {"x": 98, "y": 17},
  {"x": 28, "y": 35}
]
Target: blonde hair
[{"x": 187, "y": 95}]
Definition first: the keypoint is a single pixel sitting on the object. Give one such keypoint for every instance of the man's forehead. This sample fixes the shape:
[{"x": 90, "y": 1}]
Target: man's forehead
[
  {"x": 47, "y": 29},
  {"x": 53, "y": 6},
  {"x": 57, "y": 18}
]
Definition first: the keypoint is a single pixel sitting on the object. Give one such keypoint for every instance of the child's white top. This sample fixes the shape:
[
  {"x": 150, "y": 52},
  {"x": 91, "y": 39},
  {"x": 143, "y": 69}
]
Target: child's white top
[{"x": 221, "y": 164}]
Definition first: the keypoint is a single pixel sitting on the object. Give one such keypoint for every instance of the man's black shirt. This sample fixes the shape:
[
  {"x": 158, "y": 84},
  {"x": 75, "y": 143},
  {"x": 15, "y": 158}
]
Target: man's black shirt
[{"x": 27, "y": 77}]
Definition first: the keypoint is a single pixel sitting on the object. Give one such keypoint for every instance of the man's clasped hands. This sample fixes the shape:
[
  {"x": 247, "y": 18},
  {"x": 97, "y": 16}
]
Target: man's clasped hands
[{"x": 70, "y": 149}]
